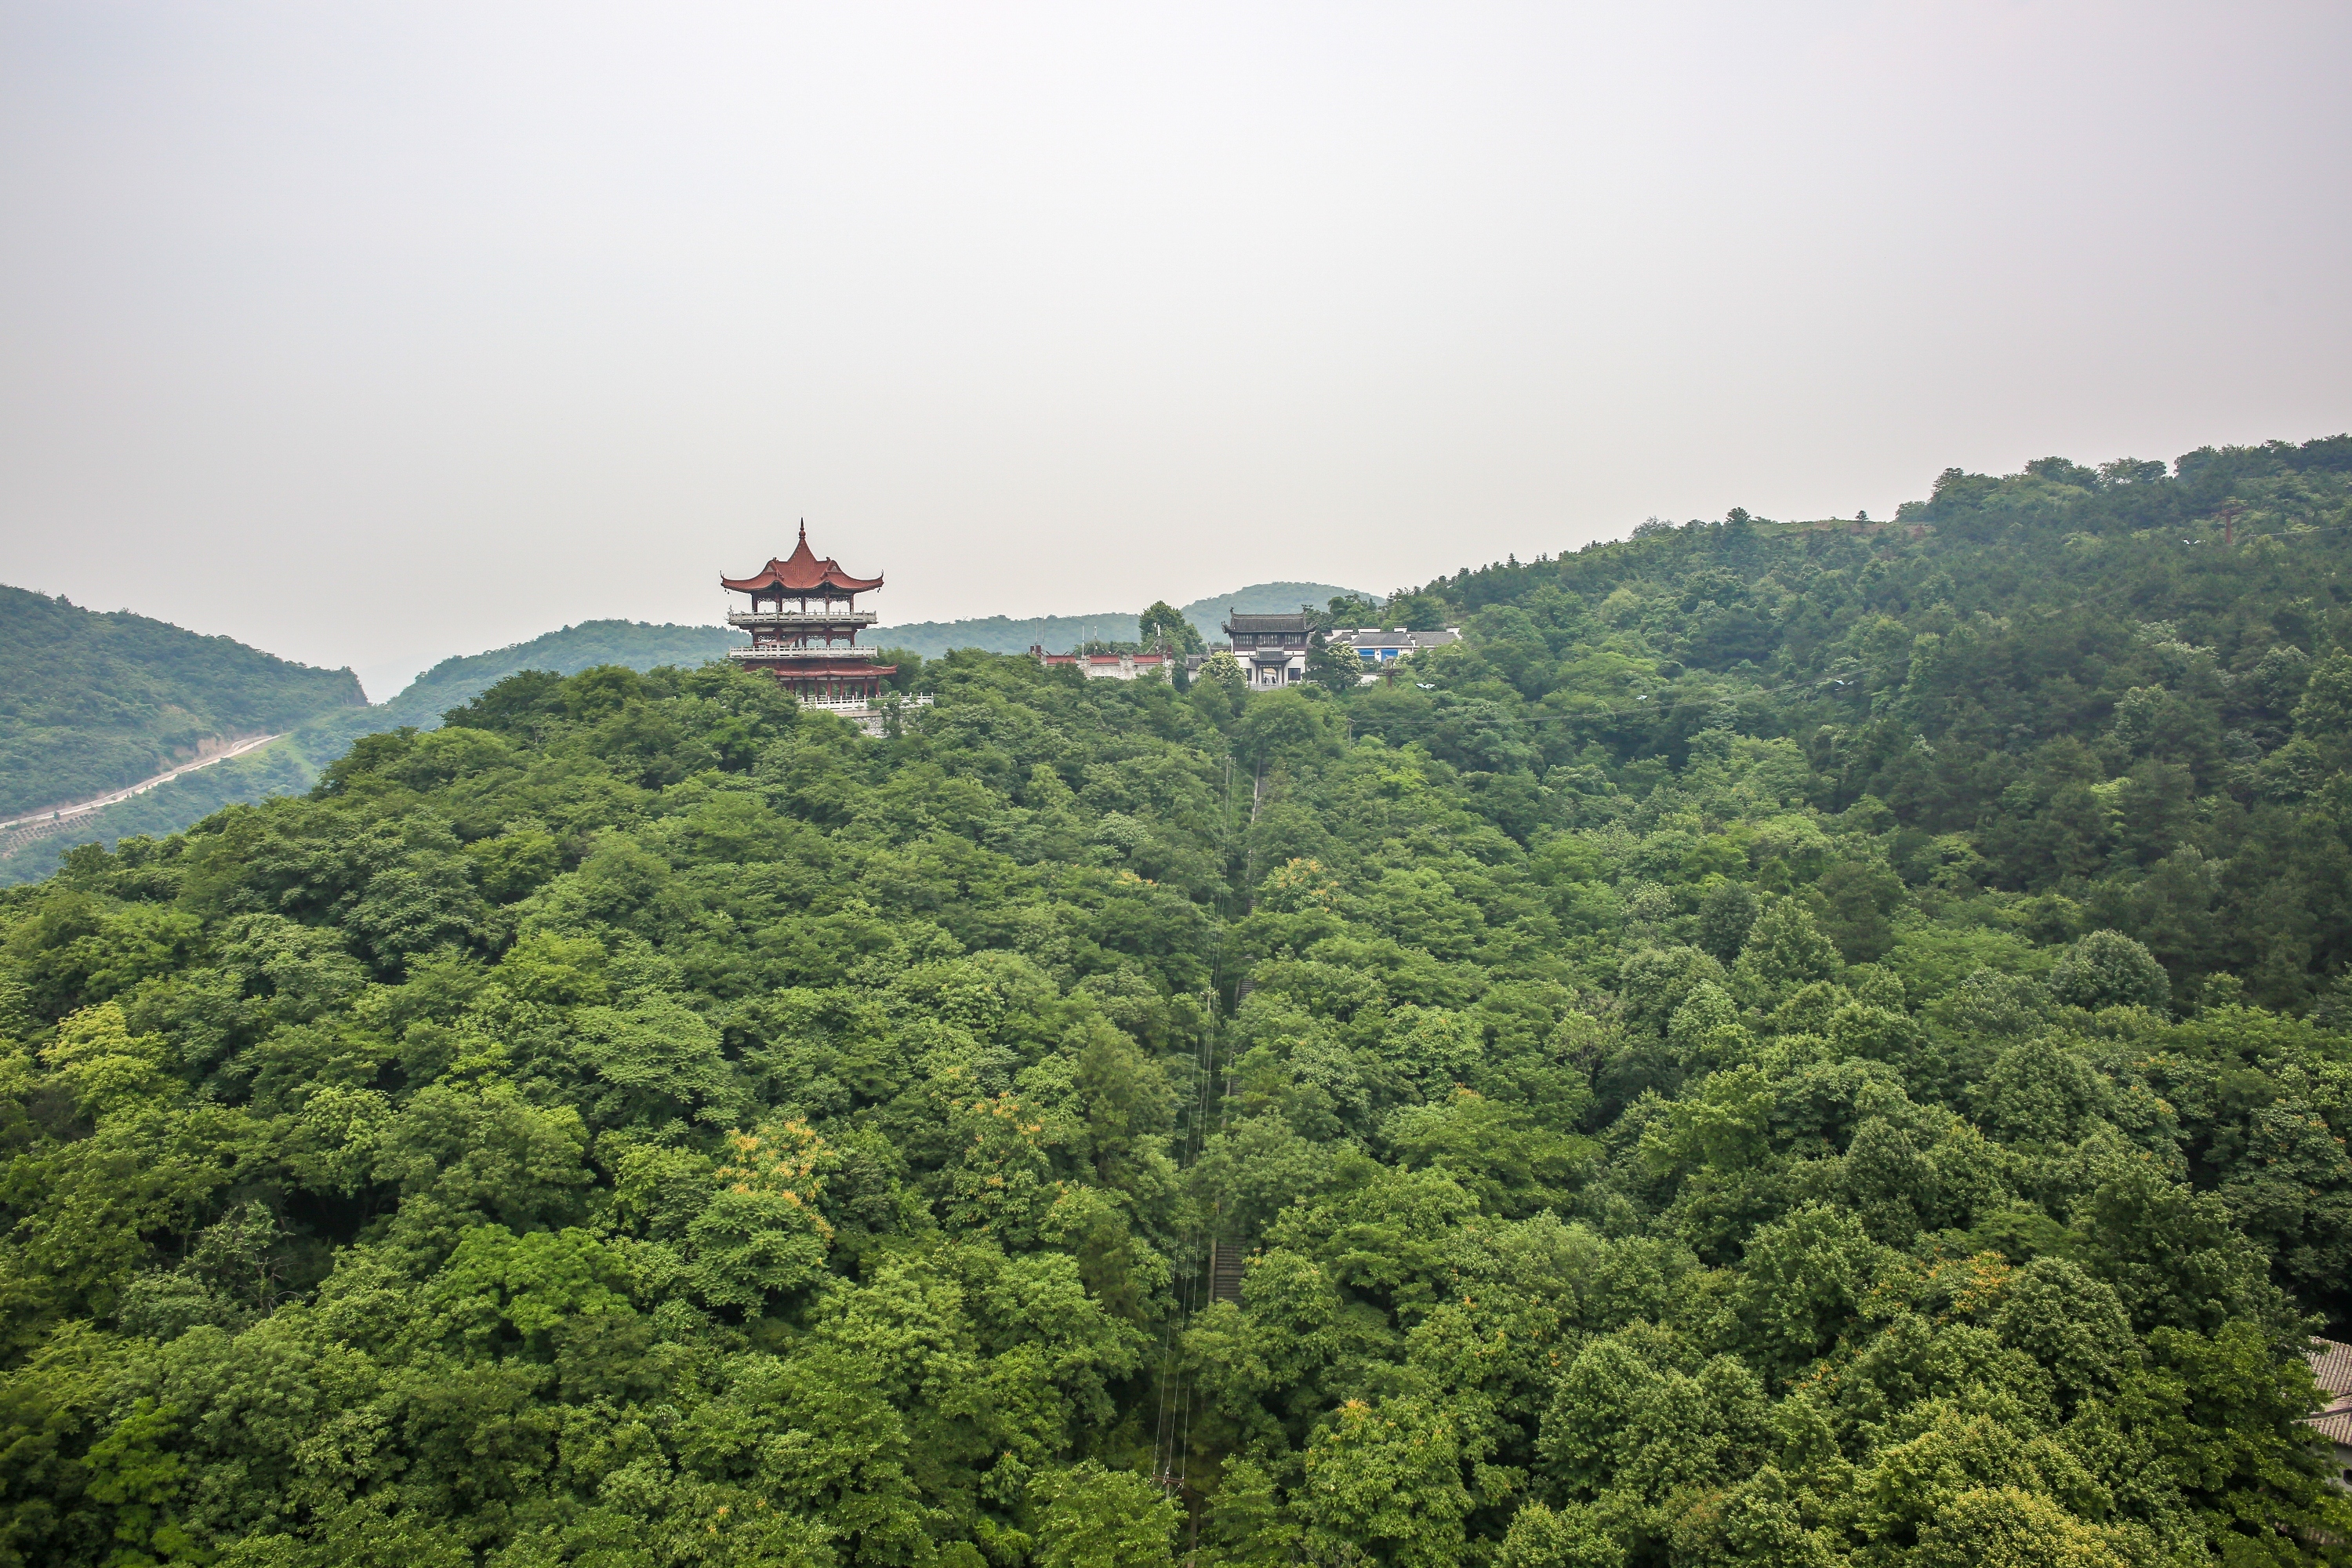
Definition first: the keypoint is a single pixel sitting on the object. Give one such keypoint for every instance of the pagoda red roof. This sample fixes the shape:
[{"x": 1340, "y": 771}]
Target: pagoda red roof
[{"x": 800, "y": 572}]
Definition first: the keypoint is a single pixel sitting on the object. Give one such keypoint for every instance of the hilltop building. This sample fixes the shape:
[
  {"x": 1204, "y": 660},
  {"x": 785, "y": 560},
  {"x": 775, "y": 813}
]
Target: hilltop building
[
  {"x": 1107, "y": 666},
  {"x": 1377, "y": 646},
  {"x": 1272, "y": 649},
  {"x": 804, "y": 623}
]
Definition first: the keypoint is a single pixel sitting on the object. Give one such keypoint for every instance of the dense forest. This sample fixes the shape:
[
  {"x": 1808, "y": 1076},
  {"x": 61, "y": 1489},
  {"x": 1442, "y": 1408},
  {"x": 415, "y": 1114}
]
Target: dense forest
[
  {"x": 91, "y": 702},
  {"x": 1793, "y": 1043}
]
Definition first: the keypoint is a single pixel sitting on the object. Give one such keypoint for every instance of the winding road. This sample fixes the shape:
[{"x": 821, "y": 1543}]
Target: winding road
[{"x": 59, "y": 813}]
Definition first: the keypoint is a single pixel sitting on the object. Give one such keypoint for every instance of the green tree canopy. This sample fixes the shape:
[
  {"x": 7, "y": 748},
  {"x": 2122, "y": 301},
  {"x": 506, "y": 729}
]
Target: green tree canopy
[{"x": 1787, "y": 1045}]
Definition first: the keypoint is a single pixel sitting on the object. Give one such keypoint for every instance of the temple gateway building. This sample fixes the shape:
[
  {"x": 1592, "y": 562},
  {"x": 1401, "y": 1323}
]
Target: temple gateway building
[{"x": 1272, "y": 649}]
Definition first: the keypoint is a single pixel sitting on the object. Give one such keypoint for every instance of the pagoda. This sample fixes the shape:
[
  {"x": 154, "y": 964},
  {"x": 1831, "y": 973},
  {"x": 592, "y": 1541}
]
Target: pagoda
[{"x": 804, "y": 622}]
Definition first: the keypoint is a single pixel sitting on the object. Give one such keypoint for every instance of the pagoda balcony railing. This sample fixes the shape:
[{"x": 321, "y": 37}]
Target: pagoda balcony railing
[
  {"x": 885, "y": 701},
  {"x": 736, "y": 618},
  {"x": 792, "y": 652}
]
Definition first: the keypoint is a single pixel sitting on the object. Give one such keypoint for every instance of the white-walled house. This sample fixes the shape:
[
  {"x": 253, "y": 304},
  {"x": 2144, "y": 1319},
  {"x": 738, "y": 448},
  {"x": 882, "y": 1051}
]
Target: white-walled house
[
  {"x": 1108, "y": 666},
  {"x": 1378, "y": 646}
]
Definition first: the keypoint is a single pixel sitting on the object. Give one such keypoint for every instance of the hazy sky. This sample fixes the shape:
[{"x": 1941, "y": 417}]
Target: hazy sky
[{"x": 371, "y": 333}]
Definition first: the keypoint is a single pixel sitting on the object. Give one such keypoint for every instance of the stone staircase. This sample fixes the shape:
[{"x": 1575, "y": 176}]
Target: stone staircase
[{"x": 1225, "y": 1265}]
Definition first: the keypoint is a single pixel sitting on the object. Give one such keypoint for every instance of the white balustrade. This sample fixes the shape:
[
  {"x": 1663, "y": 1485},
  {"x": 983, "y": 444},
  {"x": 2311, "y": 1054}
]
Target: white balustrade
[{"x": 773, "y": 651}]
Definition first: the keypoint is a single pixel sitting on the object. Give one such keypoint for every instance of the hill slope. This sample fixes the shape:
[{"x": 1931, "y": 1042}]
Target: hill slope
[
  {"x": 1684, "y": 1087},
  {"x": 2068, "y": 699},
  {"x": 95, "y": 702},
  {"x": 291, "y": 764}
]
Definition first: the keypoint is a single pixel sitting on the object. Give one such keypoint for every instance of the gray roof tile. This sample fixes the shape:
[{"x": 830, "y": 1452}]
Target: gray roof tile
[{"x": 2331, "y": 1365}]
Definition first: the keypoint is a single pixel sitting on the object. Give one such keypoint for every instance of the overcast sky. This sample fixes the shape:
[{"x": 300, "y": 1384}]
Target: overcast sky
[{"x": 372, "y": 333}]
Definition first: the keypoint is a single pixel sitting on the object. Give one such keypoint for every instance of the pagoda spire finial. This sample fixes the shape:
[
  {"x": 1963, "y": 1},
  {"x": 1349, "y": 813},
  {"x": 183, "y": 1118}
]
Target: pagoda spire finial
[{"x": 804, "y": 531}]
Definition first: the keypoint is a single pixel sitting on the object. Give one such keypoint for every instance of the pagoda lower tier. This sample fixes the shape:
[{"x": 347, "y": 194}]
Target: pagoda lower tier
[{"x": 819, "y": 675}]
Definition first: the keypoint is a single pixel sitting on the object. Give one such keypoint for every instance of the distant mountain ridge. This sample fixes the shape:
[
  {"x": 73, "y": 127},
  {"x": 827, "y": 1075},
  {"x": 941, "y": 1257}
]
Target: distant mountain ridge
[
  {"x": 95, "y": 700},
  {"x": 568, "y": 650},
  {"x": 318, "y": 736},
  {"x": 1059, "y": 633}
]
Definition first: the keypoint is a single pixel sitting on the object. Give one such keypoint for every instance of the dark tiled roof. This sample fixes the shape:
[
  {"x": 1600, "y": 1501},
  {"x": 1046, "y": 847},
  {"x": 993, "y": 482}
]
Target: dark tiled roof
[
  {"x": 1242, "y": 625},
  {"x": 800, "y": 572}
]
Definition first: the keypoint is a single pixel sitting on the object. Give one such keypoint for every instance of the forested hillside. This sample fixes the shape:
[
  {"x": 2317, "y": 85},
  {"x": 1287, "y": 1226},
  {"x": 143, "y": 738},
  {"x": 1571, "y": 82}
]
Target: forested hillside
[
  {"x": 91, "y": 702},
  {"x": 1793, "y": 1046}
]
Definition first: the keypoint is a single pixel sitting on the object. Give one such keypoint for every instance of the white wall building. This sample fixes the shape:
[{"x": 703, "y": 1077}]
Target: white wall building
[
  {"x": 1378, "y": 646},
  {"x": 1110, "y": 666}
]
